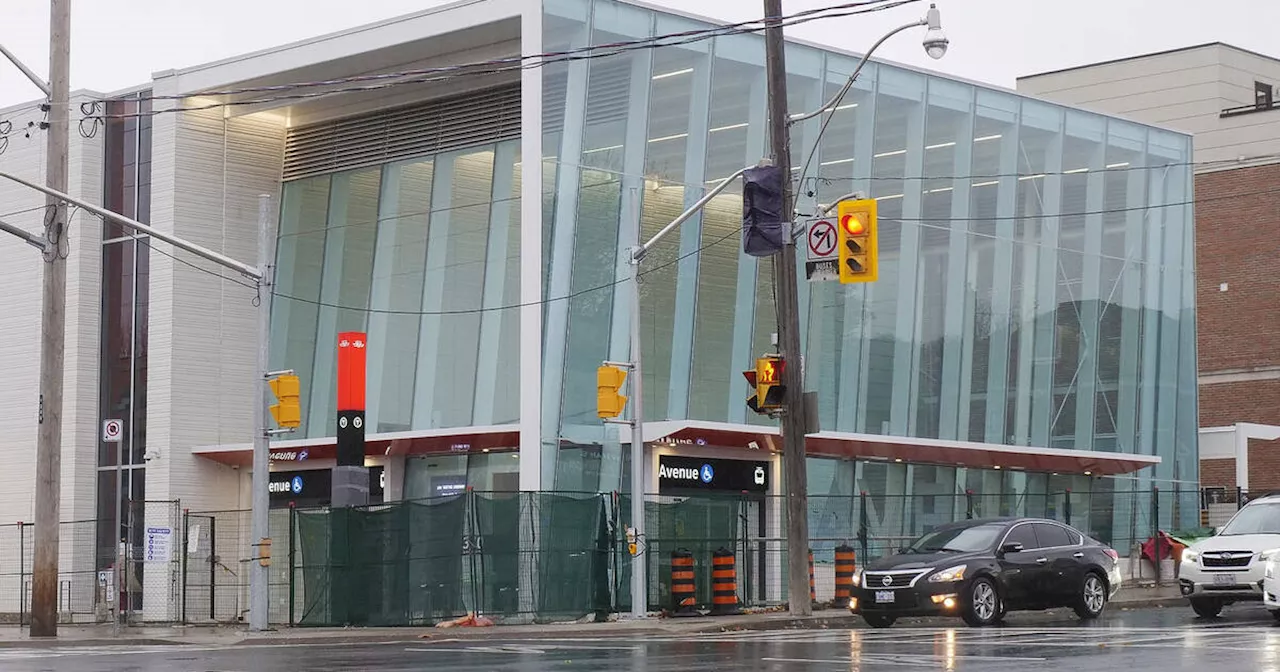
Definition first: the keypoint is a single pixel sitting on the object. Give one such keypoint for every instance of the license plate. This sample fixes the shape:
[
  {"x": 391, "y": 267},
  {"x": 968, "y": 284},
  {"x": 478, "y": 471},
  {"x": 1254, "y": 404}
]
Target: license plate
[
  {"x": 1224, "y": 579},
  {"x": 884, "y": 596}
]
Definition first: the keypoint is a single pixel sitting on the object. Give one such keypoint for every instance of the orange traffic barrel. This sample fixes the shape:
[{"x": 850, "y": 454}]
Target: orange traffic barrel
[
  {"x": 724, "y": 583},
  {"x": 845, "y": 562},
  {"x": 682, "y": 584},
  {"x": 813, "y": 592}
]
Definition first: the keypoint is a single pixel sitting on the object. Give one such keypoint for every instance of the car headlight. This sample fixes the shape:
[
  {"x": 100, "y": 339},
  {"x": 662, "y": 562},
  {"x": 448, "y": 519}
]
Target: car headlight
[
  {"x": 1270, "y": 571},
  {"x": 1269, "y": 555},
  {"x": 1190, "y": 555},
  {"x": 948, "y": 575},
  {"x": 857, "y": 578}
]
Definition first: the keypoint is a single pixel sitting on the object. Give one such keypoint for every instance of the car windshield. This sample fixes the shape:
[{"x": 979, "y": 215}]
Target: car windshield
[
  {"x": 1256, "y": 519},
  {"x": 958, "y": 539}
]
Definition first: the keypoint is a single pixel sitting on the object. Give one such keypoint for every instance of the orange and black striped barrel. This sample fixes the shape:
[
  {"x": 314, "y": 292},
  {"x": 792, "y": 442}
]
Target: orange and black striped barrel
[
  {"x": 724, "y": 583},
  {"x": 813, "y": 591},
  {"x": 683, "y": 586},
  {"x": 845, "y": 562}
]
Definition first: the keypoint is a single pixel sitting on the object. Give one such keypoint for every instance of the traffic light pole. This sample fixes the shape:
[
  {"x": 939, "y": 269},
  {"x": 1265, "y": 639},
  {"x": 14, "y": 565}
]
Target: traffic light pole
[
  {"x": 793, "y": 412},
  {"x": 636, "y": 255},
  {"x": 260, "y": 571}
]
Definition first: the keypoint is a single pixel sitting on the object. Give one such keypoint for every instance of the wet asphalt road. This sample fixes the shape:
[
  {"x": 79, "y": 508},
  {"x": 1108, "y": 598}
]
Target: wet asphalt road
[{"x": 1153, "y": 639}]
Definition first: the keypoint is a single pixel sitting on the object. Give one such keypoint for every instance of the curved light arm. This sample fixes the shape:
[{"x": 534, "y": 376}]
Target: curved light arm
[{"x": 835, "y": 101}]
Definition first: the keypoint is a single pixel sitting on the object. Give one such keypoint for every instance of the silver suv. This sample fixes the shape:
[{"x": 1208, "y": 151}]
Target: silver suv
[{"x": 1229, "y": 567}]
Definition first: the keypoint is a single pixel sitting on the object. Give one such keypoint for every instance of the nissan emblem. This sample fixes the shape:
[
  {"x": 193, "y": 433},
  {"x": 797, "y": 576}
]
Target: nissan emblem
[{"x": 888, "y": 580}]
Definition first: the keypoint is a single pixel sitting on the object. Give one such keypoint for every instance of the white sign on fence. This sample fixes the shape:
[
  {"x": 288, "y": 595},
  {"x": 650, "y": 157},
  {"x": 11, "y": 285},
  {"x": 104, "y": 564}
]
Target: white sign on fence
[{"x": 157, "y": 542}]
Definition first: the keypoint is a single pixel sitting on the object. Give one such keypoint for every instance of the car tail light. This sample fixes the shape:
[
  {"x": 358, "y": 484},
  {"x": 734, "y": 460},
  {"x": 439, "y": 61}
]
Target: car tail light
[{"x": 1111, "y": 553}]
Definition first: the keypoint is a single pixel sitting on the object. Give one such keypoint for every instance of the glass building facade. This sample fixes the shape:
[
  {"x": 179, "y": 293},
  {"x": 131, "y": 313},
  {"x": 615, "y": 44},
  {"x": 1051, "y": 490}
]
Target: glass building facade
[{"x": 1036, "y": 281}]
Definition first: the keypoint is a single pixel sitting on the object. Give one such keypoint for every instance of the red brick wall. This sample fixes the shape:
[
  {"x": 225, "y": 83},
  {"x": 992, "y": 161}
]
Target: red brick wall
[
  {"x": 1236, "y": 243},
  {"x": 1223, "y": 404},
  {"x": 1218, "y": 474}
]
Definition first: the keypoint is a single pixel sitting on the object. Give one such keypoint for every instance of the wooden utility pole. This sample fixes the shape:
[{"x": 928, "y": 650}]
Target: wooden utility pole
[
  {"x": 44, "y": 583},
  {"x": 788, "y": 299}
]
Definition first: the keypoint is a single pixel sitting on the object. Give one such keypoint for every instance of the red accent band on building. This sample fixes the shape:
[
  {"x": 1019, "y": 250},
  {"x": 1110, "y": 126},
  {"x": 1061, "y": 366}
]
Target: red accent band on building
[{"x": 351, "y": 370}]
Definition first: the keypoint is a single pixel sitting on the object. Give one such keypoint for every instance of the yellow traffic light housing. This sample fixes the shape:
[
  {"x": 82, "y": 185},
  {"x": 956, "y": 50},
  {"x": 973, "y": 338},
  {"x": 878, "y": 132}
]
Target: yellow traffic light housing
[
  {"x": 288, "y": 390},
  {"x": 858, "y": 244},
  {"x": 769, "y": 388},
  {"x": 609, "y": 402}
]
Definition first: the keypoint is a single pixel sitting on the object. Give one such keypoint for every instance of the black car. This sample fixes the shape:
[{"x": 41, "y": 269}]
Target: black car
[{"x": 982, "y": 569}]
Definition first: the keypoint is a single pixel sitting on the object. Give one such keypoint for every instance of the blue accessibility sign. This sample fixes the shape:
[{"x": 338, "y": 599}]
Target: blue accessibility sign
[
  {"x": 296, "y": 485},
  {"x": 707, "y": 473}
]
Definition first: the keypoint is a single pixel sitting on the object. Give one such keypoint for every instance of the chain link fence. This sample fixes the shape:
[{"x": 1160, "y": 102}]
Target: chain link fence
[{"x": 522, "y": 557}]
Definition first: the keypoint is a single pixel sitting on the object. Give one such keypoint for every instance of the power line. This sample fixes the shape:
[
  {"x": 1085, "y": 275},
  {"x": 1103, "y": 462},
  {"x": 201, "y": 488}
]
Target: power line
[
  {"x": 499, "y": 66},
  {"x": 645, "y": 42},
  {"x": 472, "y": 311},
  {"x": 996, "y": 176},
  {"x": 25, "y": 211},
  {"x": 146, "y": 240},
  {"x": 1049, "y": 215}
]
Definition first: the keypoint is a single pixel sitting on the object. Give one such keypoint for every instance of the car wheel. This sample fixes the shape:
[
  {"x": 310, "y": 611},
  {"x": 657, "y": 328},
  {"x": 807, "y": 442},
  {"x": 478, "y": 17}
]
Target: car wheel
[
  {"x": 1206, "y": 608},
  {"x": 1093, "y": 597},
  {"x": 1004, "y": 610},
  {"x": 879, "y": 620},
  {"x": 982, "y": 606}
]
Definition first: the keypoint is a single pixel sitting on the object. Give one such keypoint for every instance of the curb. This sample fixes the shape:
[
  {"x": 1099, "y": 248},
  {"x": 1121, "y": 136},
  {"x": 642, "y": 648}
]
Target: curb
[
  {"x": 82, "y": 643},
  {"x": 834, "y": 619}
]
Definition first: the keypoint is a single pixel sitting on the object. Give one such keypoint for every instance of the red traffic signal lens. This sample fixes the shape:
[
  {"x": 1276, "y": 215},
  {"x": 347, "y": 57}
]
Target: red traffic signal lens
[{"x": 853, "y": 225}]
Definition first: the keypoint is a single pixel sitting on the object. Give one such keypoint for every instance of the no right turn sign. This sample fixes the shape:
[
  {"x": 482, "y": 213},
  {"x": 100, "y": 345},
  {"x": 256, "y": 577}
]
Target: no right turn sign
[{"x": 112, "y": 430}]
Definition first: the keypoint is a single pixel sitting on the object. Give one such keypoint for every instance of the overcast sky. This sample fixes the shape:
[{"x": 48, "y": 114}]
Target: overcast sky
[{"x": 119, "y": 43}]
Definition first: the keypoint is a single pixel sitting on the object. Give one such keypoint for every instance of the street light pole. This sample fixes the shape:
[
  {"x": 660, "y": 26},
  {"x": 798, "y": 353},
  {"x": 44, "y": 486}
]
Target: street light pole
[
  {"x": 48, "y": 492},
  {"x": 793, "y": 413},
  {"x": 787, "y": 300},
  {"x": 636, "y": 255}
]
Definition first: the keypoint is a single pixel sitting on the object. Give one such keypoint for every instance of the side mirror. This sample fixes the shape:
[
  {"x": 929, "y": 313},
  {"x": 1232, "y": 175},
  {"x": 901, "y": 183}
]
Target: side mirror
[
  {"x": 903, "y": 550},
  {"x": 1013, "y": 547}
]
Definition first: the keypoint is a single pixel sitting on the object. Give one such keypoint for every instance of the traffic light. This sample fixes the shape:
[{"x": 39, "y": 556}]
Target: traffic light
[
  {"x": 287, "y": 389},
  {"x": 609, "y": 402},
  {"x": 856, "y": 234},
  {"x": 764, "y": 226},
  {"x": 766, "y": 378}
]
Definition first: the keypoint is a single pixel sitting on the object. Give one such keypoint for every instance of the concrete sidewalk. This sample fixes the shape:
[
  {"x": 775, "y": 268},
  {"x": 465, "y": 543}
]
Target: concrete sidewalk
[{"x": 108, "y": 635}]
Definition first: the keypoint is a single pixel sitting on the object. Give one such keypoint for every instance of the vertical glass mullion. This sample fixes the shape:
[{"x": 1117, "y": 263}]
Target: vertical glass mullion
[
  {"x": 1002, "y": 308},
  {"x": 559, "y": 261},
  {"x": 1187, "y": 439},
  {"x": 1170, "y": 262},
  {"x": 851, "y": 414},
  {"x": 1149, "y": 379},
  {"x": 1127, "y": 425},
  {"x": 425, "y": 384},
  {"x": 1045, "y": 306},
  {"x": 906, "y": 356},
  {"x": 956, "y": 389},
  {"x": 384, "y": 257},
  {"x": 495, "y": 286},
  {"x": 323, "y": 374},
  {"x": 690, "y": 233},
  {"x": 1092, "y": 300},
  {"x": 632, "y": 188},
  {"x": 744, "y": 314},
  {"x": 807, "y": 88}
]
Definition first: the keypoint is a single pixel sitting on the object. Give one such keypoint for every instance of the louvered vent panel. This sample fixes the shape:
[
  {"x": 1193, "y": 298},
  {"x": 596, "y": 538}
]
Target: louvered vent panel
[{"x": 442, "y": 125}]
